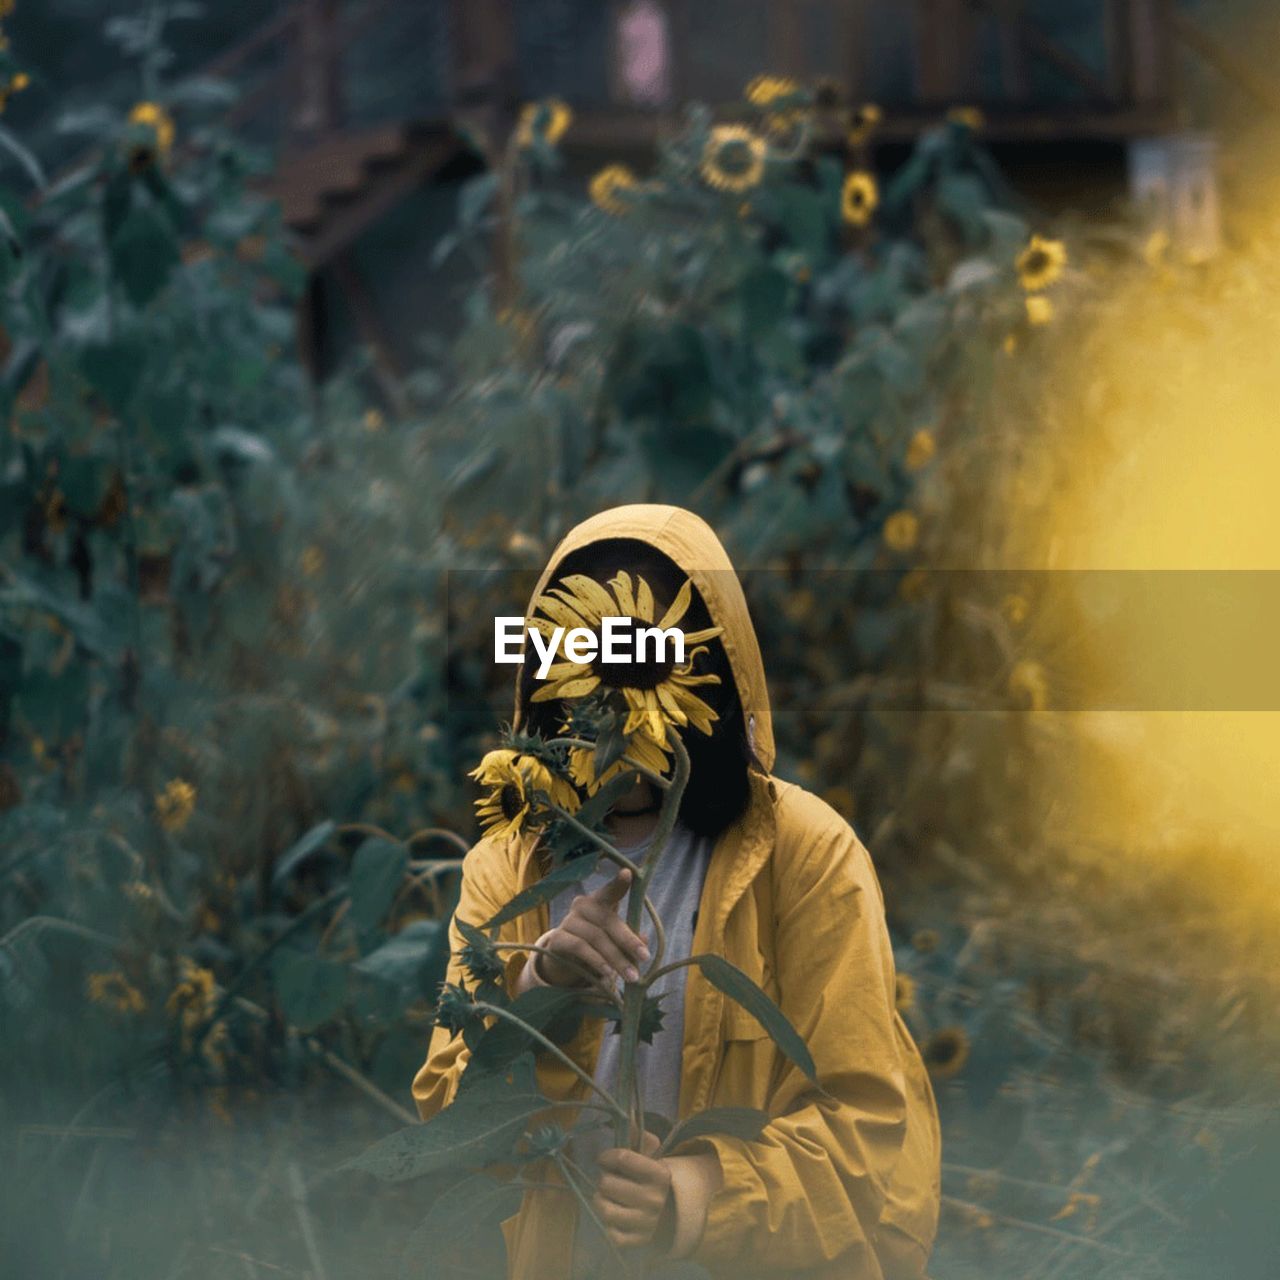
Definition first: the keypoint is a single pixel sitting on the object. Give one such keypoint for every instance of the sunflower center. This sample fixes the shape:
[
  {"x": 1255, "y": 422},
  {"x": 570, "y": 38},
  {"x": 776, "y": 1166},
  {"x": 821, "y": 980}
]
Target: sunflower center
[
  {"x": 1038, "y": 260},
  {"x": 735, "y": 157},
  {"x": 643, "y": 671},
  {"x": 511, "y": 798}
]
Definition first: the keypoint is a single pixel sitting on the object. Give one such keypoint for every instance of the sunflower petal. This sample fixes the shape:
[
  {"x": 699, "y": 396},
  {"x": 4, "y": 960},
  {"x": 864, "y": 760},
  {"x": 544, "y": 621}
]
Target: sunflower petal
[
  {"x": 622, "y": 590},
  {"x": 644, "y": 601},
  {"x": 560, "y": 612},
  {"x": 679, "y": 606},
  {"x": 592, "y": 594}
]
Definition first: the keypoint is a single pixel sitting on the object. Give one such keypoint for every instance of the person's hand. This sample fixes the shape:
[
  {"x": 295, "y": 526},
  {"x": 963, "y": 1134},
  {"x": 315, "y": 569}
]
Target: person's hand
[
  {"x": 633, "y": 1194},
  {"x": 593, "y": 939}
]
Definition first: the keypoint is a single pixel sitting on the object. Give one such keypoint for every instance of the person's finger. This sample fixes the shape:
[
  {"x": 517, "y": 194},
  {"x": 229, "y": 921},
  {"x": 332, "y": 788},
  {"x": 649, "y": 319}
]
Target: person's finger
[
  {"x": 649, "y": 1144},
  {"x": 570, "y": 944},
  {"x": 624, "y": 1192},
  {"x": 611, "y": 894},
  {"x": 617, "y": 928},
  {"x": 604, "y": 947},
  {"x": 623, "y": 1218}
]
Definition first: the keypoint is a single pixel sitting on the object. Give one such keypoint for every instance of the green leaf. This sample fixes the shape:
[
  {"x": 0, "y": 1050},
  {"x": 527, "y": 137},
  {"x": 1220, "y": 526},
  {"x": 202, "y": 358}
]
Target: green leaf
[
  {"x": 377, "y": 872},
  {"x": 144, "y": 253},
  {"x": 737, "y": 986},
  {"x": 554, "y": 1011},
  {"x": 544, "y": 890},
  {"x": 734, "y": 1122},
  {"x": 114, "y": 369},
  {"x": 482, "y": 1126},
  {"x": 311, "y": 989},
  {"x": 764, "y": 300},
  {"x": 402, "y": 961},
  {"x": 455, "y": 1224},
  {"x": 301, "y": 849}
]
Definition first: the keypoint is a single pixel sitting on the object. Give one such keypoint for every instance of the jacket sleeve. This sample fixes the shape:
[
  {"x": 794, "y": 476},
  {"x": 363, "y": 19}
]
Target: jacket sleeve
[
  {"x": 811, "y": 1188},
  {"x": 489, "y": 880}
]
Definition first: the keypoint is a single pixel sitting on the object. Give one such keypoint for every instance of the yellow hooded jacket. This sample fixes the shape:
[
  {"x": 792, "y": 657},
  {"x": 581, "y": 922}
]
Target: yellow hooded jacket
[{"x": 838, "y": 1187}]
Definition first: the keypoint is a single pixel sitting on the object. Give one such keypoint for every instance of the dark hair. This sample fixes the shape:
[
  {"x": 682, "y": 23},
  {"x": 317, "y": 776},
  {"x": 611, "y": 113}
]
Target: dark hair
[{"x": 718, "y": 787}]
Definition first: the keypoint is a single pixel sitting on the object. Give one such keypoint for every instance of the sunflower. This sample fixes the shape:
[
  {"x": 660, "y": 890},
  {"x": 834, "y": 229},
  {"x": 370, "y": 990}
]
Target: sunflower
[
  {"x": 764, "y": 91},
  {"x": 925, "y": 941},
  {"x": 116, "y": 991},
  {"x": 515, "y": 781},
  {"x": 153, "y": 115},
  {"x": 733, "y": 159},
  {"x": 546, "y": 121},
  {"x": 610, "y": 187},
  {"x": 920, "y": 449},
  {"x": 901, "y": 531},
  {"x": 175, "y": 804},
  {"x": 1039, "y": 310},
  {"x": 858, "y": 198},
  {"x": 862, "y": 122},
  {"x": 641, "y": 750},
  {"x": 971, "y": 118},
  {"x": 657, "y": 693},
  {"x": 1041, "y": 263},
  {"x": 946, "y": 1051}
]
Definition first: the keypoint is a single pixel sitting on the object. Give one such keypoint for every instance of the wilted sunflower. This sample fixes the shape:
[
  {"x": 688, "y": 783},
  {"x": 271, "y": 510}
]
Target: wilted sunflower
[
  {"x": 946, "y": 1051},
  {"x": 658, "y": 693},
  {"x": 858, "y": 198},
  {"x": 546, "y": 121},
  {"x": 609, "y": 188},
  {"x": 514, "y": 780},
  {"x": 862, "y": 123},
  {"x": 1041, "y": 263},
  {"x": 154, "y": 116},
  {"x": 733, "y": 159}
]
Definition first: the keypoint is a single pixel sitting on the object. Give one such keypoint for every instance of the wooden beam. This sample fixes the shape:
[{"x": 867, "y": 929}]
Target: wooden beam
[
  {"x": 1150, "y": 67},
  {"x": 1050, "y": 52},
  {"x": 1262, "y": 89}
]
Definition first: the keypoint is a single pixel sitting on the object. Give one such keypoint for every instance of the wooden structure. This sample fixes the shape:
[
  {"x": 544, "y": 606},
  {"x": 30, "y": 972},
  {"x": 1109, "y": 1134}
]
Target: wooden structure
[{"x": 1055, "y": 72}]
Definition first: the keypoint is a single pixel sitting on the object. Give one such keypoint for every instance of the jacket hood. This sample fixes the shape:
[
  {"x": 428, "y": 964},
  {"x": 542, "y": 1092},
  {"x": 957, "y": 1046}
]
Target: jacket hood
[{"x": 689, "y": 542}]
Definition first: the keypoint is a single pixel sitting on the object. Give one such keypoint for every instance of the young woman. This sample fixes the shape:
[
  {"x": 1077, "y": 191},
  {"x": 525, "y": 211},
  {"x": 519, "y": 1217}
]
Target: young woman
[{"x": 843, "y": 1183}]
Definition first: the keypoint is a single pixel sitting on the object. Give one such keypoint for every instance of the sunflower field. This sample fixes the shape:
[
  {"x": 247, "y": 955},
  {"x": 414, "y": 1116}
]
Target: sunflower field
[{"x": 245, "y": 641}]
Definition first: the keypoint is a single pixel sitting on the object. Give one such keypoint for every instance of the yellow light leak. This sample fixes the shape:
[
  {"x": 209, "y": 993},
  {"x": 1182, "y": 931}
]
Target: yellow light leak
[{"x": 1175, "y": 460}]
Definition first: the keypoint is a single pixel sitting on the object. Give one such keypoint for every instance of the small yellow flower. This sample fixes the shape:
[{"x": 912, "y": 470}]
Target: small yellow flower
[
  {"x": 115, "y": 991},
  {"x": 1010, "y": 344},
  {"x": 921, "y": 449},
  {"x": 946, "y": 1051},
  {"x": 1029, "y": 686},
  {"x": 862, "y": 123},
  {"x": 1041, "y": 263},
  {"x": 19, "y": 82},
  {"x": 1015, "y": 609},
  {"x": 312, "y": 561},
  {"x": 904, "y": 996},
  {"x": 192, "y": 1000},
  {"x": 175, "y": 804},
  {"x": 1039, "y": 310},
  {"x": 971, "y": 118},
  {"x": 546, "y": 121},
  {"x": 858, "y": 198},
  {"x": 901, "y": 531},
  {"x": 610, "y": 186},
  {"x": 373, "y": 420},
  {"x": 733, "y": 159},
  {"x": 775, "y": 95},
  {"x": 160, "y": 121}
]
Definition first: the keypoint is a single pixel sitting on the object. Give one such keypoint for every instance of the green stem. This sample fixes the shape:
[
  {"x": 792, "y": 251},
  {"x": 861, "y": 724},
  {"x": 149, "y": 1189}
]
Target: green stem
[
  {"x": 567, "y": 1171},
  {"x": 633, "y": 994},
  {"x": 550, "y": 1046}
]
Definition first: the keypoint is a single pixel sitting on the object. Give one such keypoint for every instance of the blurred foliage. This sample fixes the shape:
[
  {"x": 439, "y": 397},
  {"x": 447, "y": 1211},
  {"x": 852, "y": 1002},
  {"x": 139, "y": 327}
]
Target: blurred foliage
[{"x": 245, "y": 629}]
